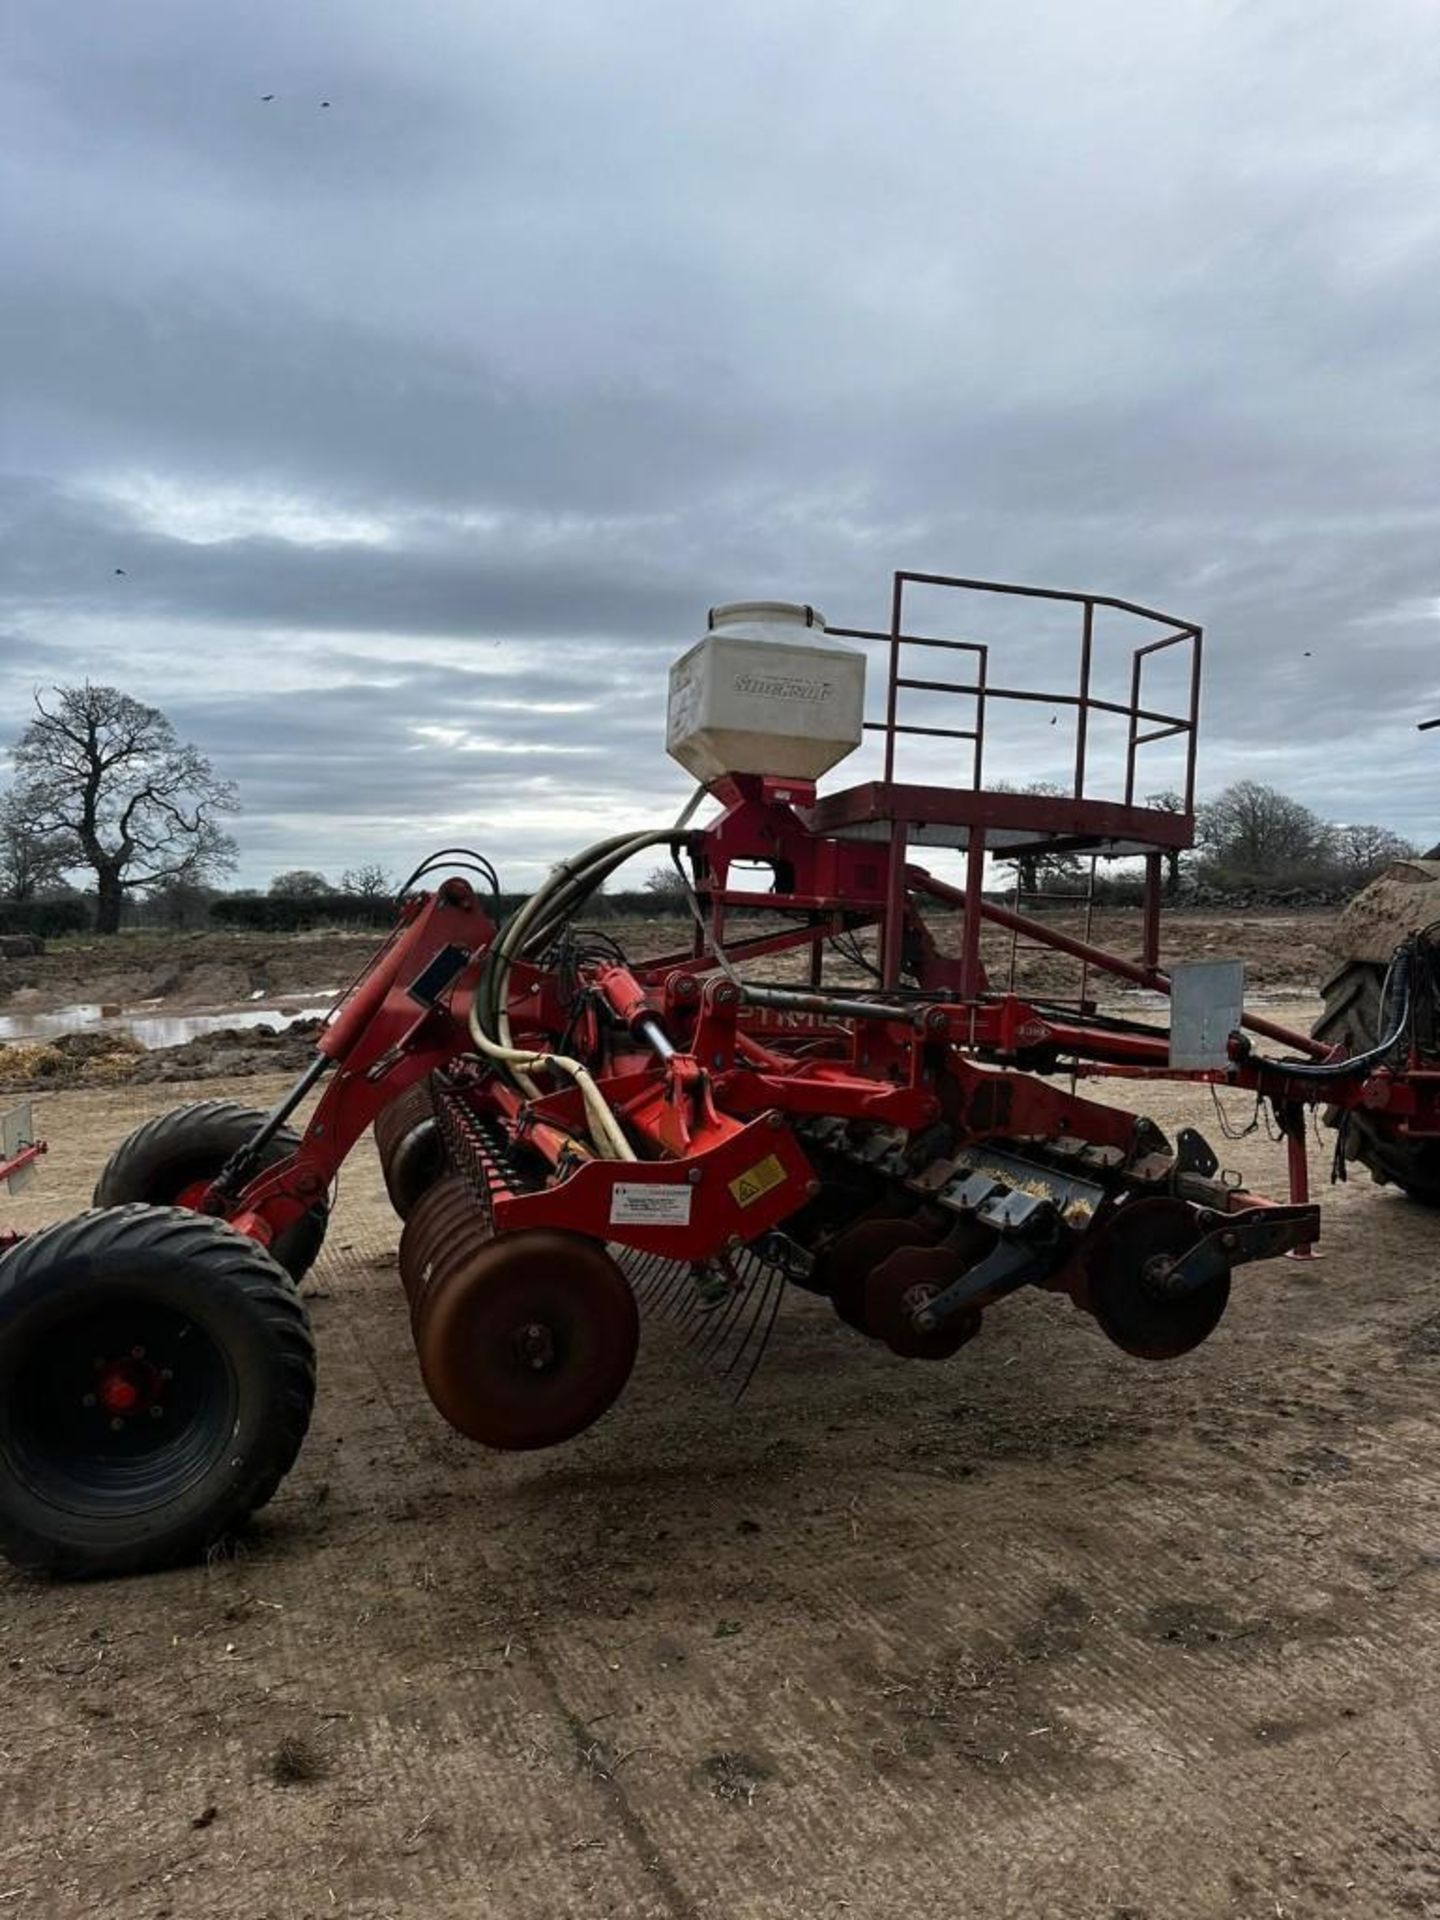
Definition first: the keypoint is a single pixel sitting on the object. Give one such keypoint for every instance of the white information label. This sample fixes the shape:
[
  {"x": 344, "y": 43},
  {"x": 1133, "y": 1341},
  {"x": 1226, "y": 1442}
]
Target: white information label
[{"x": 633, "y": 1205}]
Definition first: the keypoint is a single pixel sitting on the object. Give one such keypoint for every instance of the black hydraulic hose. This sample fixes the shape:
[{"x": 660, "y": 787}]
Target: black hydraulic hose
[
  {"x": 467, "y": 858},
  {"x": 1356, "y": 1064}
]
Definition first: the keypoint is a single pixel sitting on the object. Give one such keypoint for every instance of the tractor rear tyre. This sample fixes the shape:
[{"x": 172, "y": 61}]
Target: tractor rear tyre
[
  {"x": 1352, "y": 1019},
  {"x": 156, "y": 1380},
  {"x": 168, "y": 1162}
]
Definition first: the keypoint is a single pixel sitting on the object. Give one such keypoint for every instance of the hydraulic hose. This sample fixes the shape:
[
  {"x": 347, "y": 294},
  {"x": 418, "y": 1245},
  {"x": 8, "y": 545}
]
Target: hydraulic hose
[
  {"x": 1356, "y": 1064},
  {"x": 535, "y": 921},
  {"x": 605, "y": 1128}
]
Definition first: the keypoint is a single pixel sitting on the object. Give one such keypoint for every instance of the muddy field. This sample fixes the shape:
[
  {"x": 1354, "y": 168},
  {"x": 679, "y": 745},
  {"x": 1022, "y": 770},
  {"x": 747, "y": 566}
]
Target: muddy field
[
  {"x": 89, "y": 1012},
  {"x": 1041, "y": 1631},
  {"x": 199, "y": 970}
]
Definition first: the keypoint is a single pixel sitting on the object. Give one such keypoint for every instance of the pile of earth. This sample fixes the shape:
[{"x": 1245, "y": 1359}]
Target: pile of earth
[{"x": 97, "y": 1058}]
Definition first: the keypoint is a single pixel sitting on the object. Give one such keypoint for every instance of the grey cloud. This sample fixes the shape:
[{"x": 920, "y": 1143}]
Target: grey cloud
[{"x": 599, "y": 320}]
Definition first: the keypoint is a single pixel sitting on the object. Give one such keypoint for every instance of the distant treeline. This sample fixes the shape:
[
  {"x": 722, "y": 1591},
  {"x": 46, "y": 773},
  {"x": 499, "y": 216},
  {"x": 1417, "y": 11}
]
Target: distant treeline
[
  {"x": 1253, "y": 846},
  {"x": 201, "y": 909}
]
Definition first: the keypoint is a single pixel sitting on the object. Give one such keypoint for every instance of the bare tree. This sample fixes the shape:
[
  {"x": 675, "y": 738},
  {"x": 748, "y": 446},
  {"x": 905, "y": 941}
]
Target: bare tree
[
  {"x": 1359, "y": 852},
  {"x": 667, "y": 885},
  {"x": 30, "y": 861},
  {"x": 1169, "y": 800},
  {"x": 1251, "y": 832},
  {"x": 300, "y": 883},
  {"x": 140, "y": 806},
  {"x": 1034, "y": 868},
  {"x": 369, "y": 882}
]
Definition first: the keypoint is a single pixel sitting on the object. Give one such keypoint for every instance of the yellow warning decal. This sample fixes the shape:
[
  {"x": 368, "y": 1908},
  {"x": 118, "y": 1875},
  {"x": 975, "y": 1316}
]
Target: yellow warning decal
[{"x": 757, "y": 1181}]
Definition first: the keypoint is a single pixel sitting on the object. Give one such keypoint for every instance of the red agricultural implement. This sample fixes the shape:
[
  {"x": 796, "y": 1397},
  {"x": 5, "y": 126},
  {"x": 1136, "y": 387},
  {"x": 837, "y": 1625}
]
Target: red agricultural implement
[
  {"x": 19, "y": 1151},
  {"x": 567, "y": 1131}
]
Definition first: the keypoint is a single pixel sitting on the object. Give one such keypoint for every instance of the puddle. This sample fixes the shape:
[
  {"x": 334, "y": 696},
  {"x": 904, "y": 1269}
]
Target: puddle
[{"x": 151, "y": 1029}]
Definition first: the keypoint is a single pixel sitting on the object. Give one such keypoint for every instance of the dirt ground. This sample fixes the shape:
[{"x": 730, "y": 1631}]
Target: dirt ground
[
  {"x": 195, "y": 970},
  {"x": 221, "y": 973},
  {"x": 1040, "y": 1631},
  {"x": 181, "y": 969}
]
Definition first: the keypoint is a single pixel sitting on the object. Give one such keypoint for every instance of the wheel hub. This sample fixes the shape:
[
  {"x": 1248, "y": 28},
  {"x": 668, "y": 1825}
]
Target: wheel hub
[
  {"x": 535, "y": 1346},
  {"x": 129, "y": 1386}
]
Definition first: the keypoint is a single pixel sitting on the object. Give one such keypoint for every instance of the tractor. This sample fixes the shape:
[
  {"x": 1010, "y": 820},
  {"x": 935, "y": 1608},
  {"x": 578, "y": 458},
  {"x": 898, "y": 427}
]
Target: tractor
[{"x": 827, "y": 1086}]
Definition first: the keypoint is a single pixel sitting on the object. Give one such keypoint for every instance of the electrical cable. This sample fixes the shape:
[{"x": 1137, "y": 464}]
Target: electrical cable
[{"x": 1222, "y": 1118}]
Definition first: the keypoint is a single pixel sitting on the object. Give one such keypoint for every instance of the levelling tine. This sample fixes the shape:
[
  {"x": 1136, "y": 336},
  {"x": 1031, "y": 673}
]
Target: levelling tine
[
  {"x": 732, "y": 1325},
  {"x": 710, "y": 1337},
  {"x": 775, "y": 1283},
  {"x": 667, "y": 1287},
  {"x": 639, "y": 1269},
  {"x": 749, "y": 1332}
]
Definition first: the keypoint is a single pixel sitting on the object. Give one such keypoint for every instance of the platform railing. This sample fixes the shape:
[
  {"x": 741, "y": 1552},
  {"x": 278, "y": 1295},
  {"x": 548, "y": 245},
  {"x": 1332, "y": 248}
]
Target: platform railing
[{"x": 1143, "y": 724}]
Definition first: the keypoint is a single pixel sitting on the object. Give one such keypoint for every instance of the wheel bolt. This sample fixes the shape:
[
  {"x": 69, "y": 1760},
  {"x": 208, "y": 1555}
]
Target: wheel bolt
[
  {"x": 137, "y": 1353},
  {"x": 87, "y": 1399},
  {"x": 116, "y": 1424},
  {"x": 537, "y": 1348},
  {"x": 156, "y": 1412}
]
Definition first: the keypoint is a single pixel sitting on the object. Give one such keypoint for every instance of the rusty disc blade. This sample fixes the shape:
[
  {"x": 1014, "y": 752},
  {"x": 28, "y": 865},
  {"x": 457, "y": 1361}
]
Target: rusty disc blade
[
  {"x": 899, "y": 1287},
  {"x": 1121, "y": 1260},
  {"x": 526, "y": 1340},
  {"x": 446, "y": 1216},
  {"x": 407, "y": 1110},
  {"x": 846, "y": 1265}
]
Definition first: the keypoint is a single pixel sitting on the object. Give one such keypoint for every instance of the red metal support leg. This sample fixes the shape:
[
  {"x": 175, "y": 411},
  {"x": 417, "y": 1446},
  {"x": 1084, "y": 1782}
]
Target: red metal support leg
[
  {"x": 1297, "y": 1158},
  {"x": 892, "y": 945},
  {"x": 971, "y": 906},
  {"x": 1154, "y": 881}
]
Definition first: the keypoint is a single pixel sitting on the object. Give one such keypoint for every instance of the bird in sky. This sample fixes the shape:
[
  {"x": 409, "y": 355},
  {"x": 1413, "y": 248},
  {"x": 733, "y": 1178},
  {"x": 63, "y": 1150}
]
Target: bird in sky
[
  {"x": 119, "y": 570},
  {"x": 324, "y": 103},
  {"x": 267, "y": 96}
]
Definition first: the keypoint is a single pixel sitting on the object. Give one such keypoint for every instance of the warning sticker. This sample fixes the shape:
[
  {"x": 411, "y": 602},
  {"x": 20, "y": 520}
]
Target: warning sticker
[
  {"x": 757, "y": 1181},
  {"x": 633, "y": 1205}
]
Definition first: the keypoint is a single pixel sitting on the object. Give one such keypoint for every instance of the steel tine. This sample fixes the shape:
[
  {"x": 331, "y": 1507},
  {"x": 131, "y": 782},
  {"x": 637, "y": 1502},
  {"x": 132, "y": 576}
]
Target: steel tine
[
  {"x": 713, "y": 1333},
  {"x": 648, "y": 1269},
  {"x": 659, "y": 1279},
  {"x": 670, "y": 1282},
  {"x": 776, "y": 1283},
  {"x": 725, "y": 1320},
  {"x": 689, "y": 1312},
  {"x": 750, "y": 1328},
  {"x": 642, "y": 1275},
  {"x": 705, "y": 1315},
  {"x": 701, "y": 1323}
]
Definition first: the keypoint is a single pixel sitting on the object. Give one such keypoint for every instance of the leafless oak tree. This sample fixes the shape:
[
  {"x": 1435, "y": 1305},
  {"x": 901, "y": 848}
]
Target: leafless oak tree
[
  {"x": 138, "y": 806},
  {"x": 30, "y": 861}
]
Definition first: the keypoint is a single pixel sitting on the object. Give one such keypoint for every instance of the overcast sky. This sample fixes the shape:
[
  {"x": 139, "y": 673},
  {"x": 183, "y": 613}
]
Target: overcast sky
[{"x": 426, "y": 424}]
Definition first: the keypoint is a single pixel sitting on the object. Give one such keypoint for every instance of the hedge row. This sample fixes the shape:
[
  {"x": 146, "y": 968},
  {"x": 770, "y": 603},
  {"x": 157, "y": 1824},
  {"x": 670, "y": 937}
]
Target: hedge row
[
  {"x": 48, "y": 918},
  {"x": 287, "y": 913}
]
